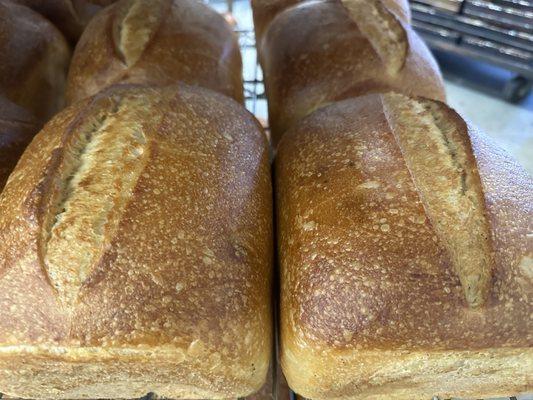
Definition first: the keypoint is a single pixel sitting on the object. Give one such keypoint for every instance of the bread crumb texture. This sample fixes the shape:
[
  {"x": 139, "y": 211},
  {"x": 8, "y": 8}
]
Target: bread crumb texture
[
  {"x": 136, "y": 251},
  {"x": 372, "y": 287}
]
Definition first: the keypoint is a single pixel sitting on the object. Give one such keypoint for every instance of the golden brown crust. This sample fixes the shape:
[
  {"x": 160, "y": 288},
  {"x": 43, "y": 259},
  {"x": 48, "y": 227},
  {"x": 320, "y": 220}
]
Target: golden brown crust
[
  {"x": 316, "y": 52},
  {"x": 159, "y": 43},
  {"x": 371, "y": 304},
  {"x": 34, "y": 61},
  {"x": 177, "y": 296},
  {"x": 17, "y": 128}
]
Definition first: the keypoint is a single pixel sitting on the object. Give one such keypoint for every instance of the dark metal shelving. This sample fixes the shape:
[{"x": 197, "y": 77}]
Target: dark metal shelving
[{"x": 499, "y": 32}]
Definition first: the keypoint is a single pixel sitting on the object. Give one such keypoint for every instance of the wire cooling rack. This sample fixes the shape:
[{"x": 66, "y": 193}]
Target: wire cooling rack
[
  {"x": 252, "y": 75},
  {"x": 254, "y": 90}
]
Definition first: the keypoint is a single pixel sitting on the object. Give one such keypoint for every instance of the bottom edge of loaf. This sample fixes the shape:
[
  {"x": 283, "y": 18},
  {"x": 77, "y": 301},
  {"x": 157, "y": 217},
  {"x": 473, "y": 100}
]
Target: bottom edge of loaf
[
  {"x": 408, "y": 375},
  {"x": 55, "y": 373}
]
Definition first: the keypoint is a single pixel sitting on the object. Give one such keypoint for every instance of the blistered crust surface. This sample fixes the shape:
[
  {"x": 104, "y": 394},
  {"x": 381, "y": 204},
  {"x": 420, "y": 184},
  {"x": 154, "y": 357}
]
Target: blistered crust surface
[
  {"x": 187, "y": 265},
  {"x": 362, "y": 268}
]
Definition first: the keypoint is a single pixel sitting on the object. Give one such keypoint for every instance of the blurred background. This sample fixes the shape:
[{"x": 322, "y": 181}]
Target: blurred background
[{"x": 484, "y": 48}]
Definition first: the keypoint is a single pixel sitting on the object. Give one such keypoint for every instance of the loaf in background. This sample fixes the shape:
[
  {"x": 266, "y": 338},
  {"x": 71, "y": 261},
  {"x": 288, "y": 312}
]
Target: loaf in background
[
  {"x": 264, "y": 11},
  {"x": 17, "y": 128},
  {"x": 318, "y": 52},
  {"x": 69, "y": 16},
  {"x": 136, "y": 251},
  {"x": 160, "y": 42},
  {"x": 406, "y": 255},
  {"x": 34, "y": 59}
]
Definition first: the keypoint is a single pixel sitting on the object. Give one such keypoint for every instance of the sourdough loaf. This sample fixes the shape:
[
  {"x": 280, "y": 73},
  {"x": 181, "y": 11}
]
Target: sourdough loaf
[
  {"x": 406, "y": 255},
  {"x": 159, "y": 42},
  {"x": 69, "y": 16},
  {"x": 17, "y": 128},
  {"x": 136, "y": 246},
  {"x": 318, "y": 52},
  {"x": 34, "y": 59}
]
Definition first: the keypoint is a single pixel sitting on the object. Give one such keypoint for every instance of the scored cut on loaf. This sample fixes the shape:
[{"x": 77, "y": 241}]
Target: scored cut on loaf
[
  {"x": 406, "y": 255},
  {"x": 160, "y": 42},
  {"x": 34, "y": 59},
  {"x": 136, "y": 251},
  {"x": 317, "y": 52}
]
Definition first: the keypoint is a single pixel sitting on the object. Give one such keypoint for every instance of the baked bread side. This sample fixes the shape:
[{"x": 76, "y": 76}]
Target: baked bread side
[
  {"x": 136, "y": 251},
  {"x": 383, "y": 295}
]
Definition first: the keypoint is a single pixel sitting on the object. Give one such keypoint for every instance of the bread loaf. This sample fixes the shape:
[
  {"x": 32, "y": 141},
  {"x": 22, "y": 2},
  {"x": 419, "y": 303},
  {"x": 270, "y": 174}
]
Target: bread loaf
[
  {"x": 406, "y": 255},
  {"x": 17, "y": 128},
  {"x": 159, "y": 42},
  {"x": 135, "y": 251},
  {"x": 265, "y": 11},
  {"x": 318, "y": 52},
  {"x": 34, "y": 59},
  {"x": 69, "y": 16}
]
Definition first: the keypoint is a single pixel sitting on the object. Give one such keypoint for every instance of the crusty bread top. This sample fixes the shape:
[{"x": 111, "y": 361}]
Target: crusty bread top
[
  {"x": 34, "y": 59},
  {"x": 318, "y": 52},
  {"x": 367, "y": 264},
  {"x": 160, "y": 42},
  {"x": 138, "y": 222},
  {"x": 266, "y": 10}
]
